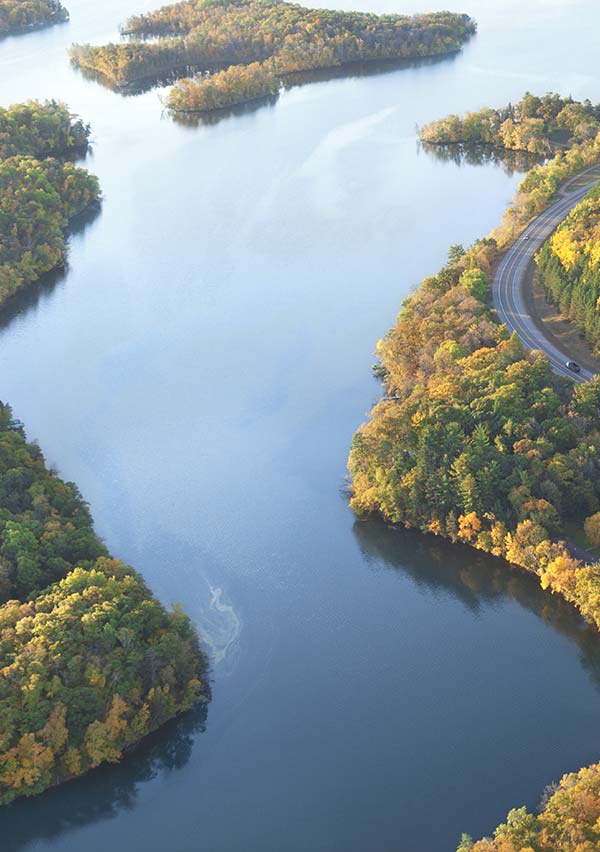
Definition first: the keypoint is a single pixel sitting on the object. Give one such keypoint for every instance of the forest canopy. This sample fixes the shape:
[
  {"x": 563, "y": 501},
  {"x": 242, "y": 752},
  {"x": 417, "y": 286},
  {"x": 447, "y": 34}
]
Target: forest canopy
[
  {"x": 477, "y": 439},
  {"x": 19, "y": 15},
  {"x": 235, "y": 85},
  {"x": 48, "y": 129},
  {"x": 569, "y": 267},
  {"x": 195, "y": 39},
  {"x": 40, "y": 191},
  {"x": 538, "y": 125},
  {"x": 89, "y": 661},
  {"x": 569, "y": 820}
]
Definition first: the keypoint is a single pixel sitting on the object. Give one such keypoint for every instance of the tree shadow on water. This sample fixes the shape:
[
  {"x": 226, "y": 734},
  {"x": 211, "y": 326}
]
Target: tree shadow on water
[
  {"x": 476, "y": 579},
  {"x": 513, "y": 162},
  {"x": 352, "y": 70},
  {"x": 32, "y": 296},
  {"x": 104, "y": 791}
]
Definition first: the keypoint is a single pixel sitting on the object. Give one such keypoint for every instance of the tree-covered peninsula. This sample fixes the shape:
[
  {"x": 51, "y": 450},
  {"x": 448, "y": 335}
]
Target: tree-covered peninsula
[
  {"x": 569, "y": 268},
  {"x": 90, "y": 662},
  {"x": 19, "y": 15},
  {"x": 537, "y": 125},
  {"x": 477, "y": 440},
  {"x": 264, "y": 40},
  {"x": 40, "y": 190}
]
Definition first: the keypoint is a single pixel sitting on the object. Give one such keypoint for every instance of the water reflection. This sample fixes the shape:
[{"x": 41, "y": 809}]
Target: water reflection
[
  {"x": 138, "y": 87},
  {"x": 208, "y": 119},
  {"x": 32, "y": 28},
  {"x": 353, "y": 70},
  {"x": 474, "y": 578},
  {"x": 513, "y": 162},
  {"x": 163, "y": 79},
  {"x": 105, "y": 791},
  {"x": 356, "y": 70}
]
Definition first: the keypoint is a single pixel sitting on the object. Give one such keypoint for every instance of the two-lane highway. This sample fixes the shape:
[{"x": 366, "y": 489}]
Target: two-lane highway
[{"x": 509, "y": 280}]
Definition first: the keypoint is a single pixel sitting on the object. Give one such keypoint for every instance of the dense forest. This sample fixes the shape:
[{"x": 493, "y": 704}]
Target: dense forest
[
  {"x": 569, "y": 820},
  {"x": 47, "y": 129},
  {"x": 235, "y": 85},
  {"x": 19, "y": 15},
  {"x": 477, "y": 440},
  {"x": 39, "y": 193},
  {"x": 210, "y": 36},
  {"x": 90, "y": 662},
  {"x": 538, "y": 125},
  {"x": 569, "y": 267}
]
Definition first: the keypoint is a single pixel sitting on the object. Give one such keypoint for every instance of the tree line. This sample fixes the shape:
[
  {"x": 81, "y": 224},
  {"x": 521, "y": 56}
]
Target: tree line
[
  {"x": 48, "y": 129},
  {"x": 19, "y": 15},
  {"x": 569, "y": 267},
  {"x": 40, "y": 190},
  {"x": 568, "y": 820},
  {"x": 90, "y": 662},
  {"x": 482, "y": 442},
  {"x": 235, "y": 85},
  {"x": 192, "y": 40},
  {"x": 478, "y": 441},
  {"x": 568, "y": 261},
  {"x": 537, "y": 125}
]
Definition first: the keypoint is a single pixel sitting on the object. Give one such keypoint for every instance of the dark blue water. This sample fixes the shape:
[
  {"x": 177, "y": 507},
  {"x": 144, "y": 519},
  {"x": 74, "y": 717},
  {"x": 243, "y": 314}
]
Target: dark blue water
[{"x": 199, "y": 372}]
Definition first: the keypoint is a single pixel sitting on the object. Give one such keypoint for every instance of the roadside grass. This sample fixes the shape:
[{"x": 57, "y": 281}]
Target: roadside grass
[
  {"x": 574, "y": 532},
  {"x": 584, "y": 179}
]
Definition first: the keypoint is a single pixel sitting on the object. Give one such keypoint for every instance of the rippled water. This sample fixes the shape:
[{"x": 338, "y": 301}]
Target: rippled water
[{"x": 200, "y": 370}]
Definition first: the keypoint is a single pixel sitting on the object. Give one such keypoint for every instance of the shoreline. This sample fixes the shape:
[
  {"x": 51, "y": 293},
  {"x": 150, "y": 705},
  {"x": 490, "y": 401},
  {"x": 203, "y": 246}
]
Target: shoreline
[
  {"x": 8, "y": 301},
  {"x": 153, "y": 79}
]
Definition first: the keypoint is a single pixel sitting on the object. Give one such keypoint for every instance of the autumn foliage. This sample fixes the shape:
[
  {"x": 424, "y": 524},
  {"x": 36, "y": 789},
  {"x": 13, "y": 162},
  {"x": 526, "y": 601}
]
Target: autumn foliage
[
  {"x": 89, "y": 661},
  {"x": 477, "y": 440},
  {"x": 481, "y": 441},
  {"x": 569, "y": 267},
  {"x": 236, "y": 85},
  {"x": 19, "y": 15},
  {"x": 535, "y": 125},
  {"x": 264, "y": 40},
  {"x": 40, "y": 191},
  {"x": 568, "y": 821}
]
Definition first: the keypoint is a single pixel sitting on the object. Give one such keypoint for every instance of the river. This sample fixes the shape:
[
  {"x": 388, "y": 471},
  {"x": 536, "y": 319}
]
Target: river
[{"x": 199, "y": 371}]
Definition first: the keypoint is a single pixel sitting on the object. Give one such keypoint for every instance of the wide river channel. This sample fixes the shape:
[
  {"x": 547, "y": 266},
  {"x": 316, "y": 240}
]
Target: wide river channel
[{"x": 199, "y": 371}]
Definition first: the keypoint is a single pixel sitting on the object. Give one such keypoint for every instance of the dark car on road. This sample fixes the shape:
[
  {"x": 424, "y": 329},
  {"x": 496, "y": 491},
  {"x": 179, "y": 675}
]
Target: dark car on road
[{"x": 573, "y": 367}]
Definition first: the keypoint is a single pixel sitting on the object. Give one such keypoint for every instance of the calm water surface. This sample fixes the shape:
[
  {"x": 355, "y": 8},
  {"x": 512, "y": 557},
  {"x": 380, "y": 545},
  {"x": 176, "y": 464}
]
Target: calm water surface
[{"x": 199, "y": 372}]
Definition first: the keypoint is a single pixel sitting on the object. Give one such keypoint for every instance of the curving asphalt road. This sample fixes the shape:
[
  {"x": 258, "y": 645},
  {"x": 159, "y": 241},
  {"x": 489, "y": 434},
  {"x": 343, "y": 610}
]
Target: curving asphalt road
[{"x": 507, "y": 288}]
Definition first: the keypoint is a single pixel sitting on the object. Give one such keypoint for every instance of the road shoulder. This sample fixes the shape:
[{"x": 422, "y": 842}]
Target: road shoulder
[{"x": 558, "y": 329}]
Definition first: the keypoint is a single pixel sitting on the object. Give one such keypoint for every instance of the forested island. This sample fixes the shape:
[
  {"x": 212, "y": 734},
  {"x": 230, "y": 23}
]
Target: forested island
[
  {"x": 19, "y": 15},
  {"x": 537, "y": 125},
  {"x": 249, "y": 45},
  {"x": 569, "y": 268},
  {"x": 89, "y": 661},
  {"x": 40, "y": 190},
  {"x": 478, "y": 441}
]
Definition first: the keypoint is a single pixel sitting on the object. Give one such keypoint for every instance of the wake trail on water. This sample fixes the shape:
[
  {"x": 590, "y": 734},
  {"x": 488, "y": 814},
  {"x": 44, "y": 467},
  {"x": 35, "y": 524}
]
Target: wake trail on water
[{"x": 220, "y": 626}]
